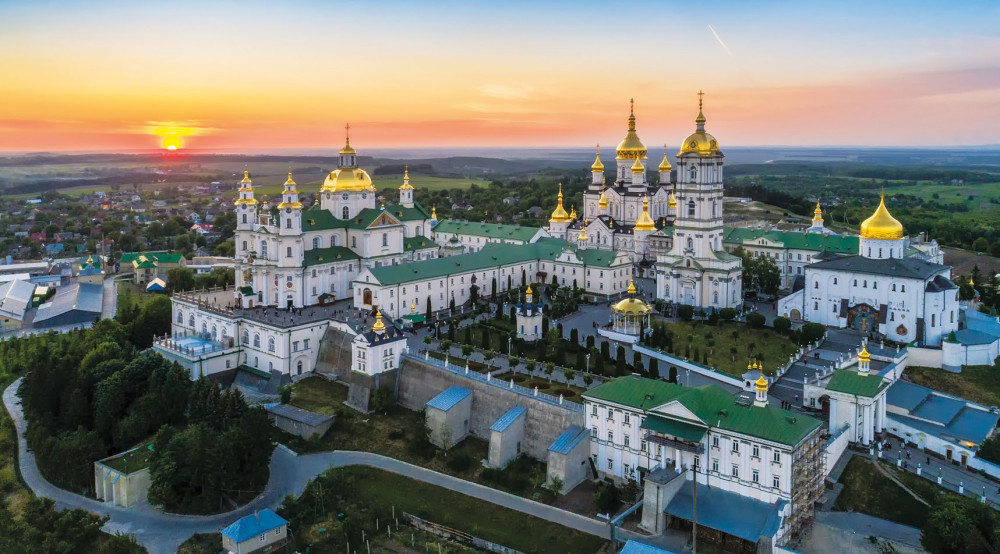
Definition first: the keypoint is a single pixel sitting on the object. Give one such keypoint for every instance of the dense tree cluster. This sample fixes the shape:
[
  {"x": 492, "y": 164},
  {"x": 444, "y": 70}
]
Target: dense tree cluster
[
  {"x": 143, "y": 317},
  {"x": 760, "y": 273},
  {"x": 91, "y": 394}
]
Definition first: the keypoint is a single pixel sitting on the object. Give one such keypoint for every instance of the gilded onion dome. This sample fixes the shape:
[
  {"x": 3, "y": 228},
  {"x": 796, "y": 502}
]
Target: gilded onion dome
[
  {"x": 817, "y": 213},
  {"x": 672, "y": 201},
  {"x": 406, "y": 179},
  {"x": 434, "y": 212},
  {"x": 347, "y": 180},
  {"x": 603, "y": 202},
  {"x": 644, "y": 222},
  {"x": 348, "y": 149},
  {"x": 378, "y": 326},
  {"x": 637, "y": 167},
  {"x": 881, "y": 225},
  {"x": 246, "y": 185},
  {"x": 246, "y": 178},
  {"x": 583, "y": 232},
  {"x": 598, "y": 166},
  {"x": 700, "y": 142},
  {"x": 559, "y": 215},
  {"x": 289, "y": 189},
  {"x": 665, "y": 166},
  {"x": 631, "y": 305},
  {"x": 572, "y": 213},
  {"x": 631, "y": 147},
  {"x": 864, "y": 356}
]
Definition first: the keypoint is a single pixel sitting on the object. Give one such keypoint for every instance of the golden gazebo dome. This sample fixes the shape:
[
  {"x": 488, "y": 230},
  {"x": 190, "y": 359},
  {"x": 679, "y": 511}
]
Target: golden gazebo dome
[
  {"x": 761, "y": 383},
  {"x": 631, "y": 305},
  {"x": 881, "y": 225},
  {"x": 631, "y": 147}
]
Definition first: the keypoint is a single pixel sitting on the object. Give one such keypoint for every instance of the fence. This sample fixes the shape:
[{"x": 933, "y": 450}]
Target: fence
[
  {"x": 456, "y": 535},
  {"x": 489, "y": 380},
  {"x": 929, "y": 473}
]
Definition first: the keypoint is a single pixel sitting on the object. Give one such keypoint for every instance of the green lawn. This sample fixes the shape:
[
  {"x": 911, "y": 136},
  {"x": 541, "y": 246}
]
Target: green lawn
[
  {"x": 868, "y": 491},
  {"x": 133, "y": 460},
  {"x": 976, "y": 383},
  {"x": 730, "y": 346},
  {"x": 955, "y": 194},
  {"x": 482, "y": 519}
]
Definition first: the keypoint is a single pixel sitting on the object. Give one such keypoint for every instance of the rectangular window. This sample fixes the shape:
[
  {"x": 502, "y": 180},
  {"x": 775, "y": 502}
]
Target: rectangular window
[
  {"x": 643, "y": 446},
  {"x": 611, "y": 464},
  {"x": 593, "y": 431},
  {"x": 262, "y": 538},
  {"x": 715, "y": 465},
  {"x": 626, "y": 418},
  {"x": 611, "y": 414},
  {"x": 697, "y": 462},
  {"x": 756, "y": 476},
  {"x": 736, "y": 446},
  {"x": 736, "y": 471},
  {"x": 611, "y": 437},
  {"x": 756, "y": 451},
  {"x": 715, "y": 441},
  {"x": 777, "y": 456},
  {"x": 627, "y": 438},
  {"x": 593, "y": 410},
  {"x": 776, "y": 482},
  {"x": 305, "y": 344},
  {"x": 288, "y": 251}
]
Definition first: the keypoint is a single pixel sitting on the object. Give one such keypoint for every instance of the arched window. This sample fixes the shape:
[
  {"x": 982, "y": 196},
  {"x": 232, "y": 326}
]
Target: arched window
[
  {"x": 694, "y": 173},
  {"x": 215, "y": 332},
  {"x": 246, "y": 337},
  {"x": 270, "y": 344},
  {"x": 180, "y": 317},
  {"x": 894, "y": 287},
  {"x": 691, "y": 208},
  {"x": 385, "y": 239},
  {"x": 690, "y": 243},
  {"x": 354, "y": 242},
  {"x": 256, "y": 341},
  {"x": 815, "y": 284},
  {"x": 244, "y": 218},
  {"x": 315, "y": 242},
  {"x": 288, "y": 223},
  {"x": 334, "y": 240},
  {"x": 715, "y": 297},
  {"x": 263, "y": 249},
  {"x": 902, "y": 288},
  {"x": 874, "y": 284},
  {"x": 347, "y": 212},
  {"x": 298, "y": 367},
  {"x": 191, "y": 321}
]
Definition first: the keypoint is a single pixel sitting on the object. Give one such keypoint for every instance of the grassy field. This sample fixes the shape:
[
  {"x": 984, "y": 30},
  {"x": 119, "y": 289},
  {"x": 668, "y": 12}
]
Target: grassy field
[
  {"x": 869, "y": 492},
  {"x": 730, "y": 346},
  {"x": 980, "y": 194},
  {"x": 979, "y": 384},
  {"x": 482, "y": 519}
]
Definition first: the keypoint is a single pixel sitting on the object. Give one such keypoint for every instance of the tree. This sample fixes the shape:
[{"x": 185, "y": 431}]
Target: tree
[
  {"x": 427, "y": 310},
  {"x": 685, "y": 312},
  {"x": 569, "y": 374},
  {"x": 620, "y": 362},
  {"x": 673, "y": 374},
  {"x": 755, "y": 320},
  {"x": 989, "y": 450},
  {"x": 180, "y": 279},
  {"x": 530, "y": 365},
  {"x": 550, "y": 368},
  {"x": 654, "y": 368},
  {"x": 555, "y": 485},
  {"x": 488, "y": 356},
  {"x": 812, "y": 332},
  {"x": 727, "y": 314},
  {"x": 588, "y": 379},
  {"x": 981, "y": 244},
  {"x": 574, "y": 335},
  {"x": 494, "y": 288},
  {"x": 782, "y": 324},
  {"x": 466, "y": 350},
  {"x": 605, "y": 350}
]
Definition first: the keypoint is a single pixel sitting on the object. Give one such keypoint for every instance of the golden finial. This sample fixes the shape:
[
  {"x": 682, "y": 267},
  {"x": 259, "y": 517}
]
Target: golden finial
[
  {"x": 246, "y": 177},
  {"x": 528, "y": 292},
  {"x": 378, "y": 327},
  {"x": 583, "y": 231},
  {"x": 406, "y": 178},
  {"x": 434, "y": 212},
  {"x": 631, "y": 286},
  {"x": 864, "y": 356},
  {"x": 700, "y": 120},
  {"x": 597, "y": 166},
  {"x": 761, "y": 383}
]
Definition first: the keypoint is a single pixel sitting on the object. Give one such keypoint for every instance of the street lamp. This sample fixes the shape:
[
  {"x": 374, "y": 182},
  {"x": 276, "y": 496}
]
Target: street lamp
[
  {"x": 509, "y": 340},
  {"x": 587, "y": 369}
]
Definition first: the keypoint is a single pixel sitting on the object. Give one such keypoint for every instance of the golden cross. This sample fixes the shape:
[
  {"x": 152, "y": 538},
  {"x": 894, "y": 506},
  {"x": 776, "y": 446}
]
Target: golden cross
[
  {"x": 700, "y": 95},
  {"x": 347, "y": 128}
]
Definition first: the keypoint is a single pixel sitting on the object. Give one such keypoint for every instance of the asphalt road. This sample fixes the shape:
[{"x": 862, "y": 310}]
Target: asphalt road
[{"x": 161, "y": 532}]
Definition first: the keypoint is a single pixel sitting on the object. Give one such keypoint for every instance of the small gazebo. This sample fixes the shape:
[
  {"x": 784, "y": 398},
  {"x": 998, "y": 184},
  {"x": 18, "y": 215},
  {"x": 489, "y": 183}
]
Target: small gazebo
[{"x": 631, "y": 315}]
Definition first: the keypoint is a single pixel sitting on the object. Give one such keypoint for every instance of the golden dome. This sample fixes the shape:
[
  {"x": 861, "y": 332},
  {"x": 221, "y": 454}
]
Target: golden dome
[
  {"x": 597, "y": 167},
  {"x": 631, "y": 147},
  {"x": 761, "y": 383},
  {"x": 572, "y": 212},
  {"x": 864, "y": 356},
  {"x": 246, "y": 178},
  {"x": 528, "y": 292},
  {"x": 700, "y": 142},
  {"x": 583, "y": 231},
  {"x": 406, "y": 179},
  {"x": 289, "y": 189},
  {"x": 665, "y": 166},
  {"x": 348, "y": 149},
  {"x": 672, "y": 202},
  {"x": 603, "y": 202},
  {"x": 881, "y": 225},
  {"x": 289, "y": 182},
  {"x": 378, "y": 327},
  {"x": 817, "y": 213},
  {"x": 347, "y": 180},
  {"x": 559, "y": 215},
  {"x": 644, "y": 222},
  {"x": 631, "y": 305},
  {"x": 637, "y": 167},
  {"x": 631, "y": 286},
  {"x": 434, "y": 212}
]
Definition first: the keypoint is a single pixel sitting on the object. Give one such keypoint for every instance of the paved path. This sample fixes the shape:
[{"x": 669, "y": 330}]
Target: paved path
[
  {"x": 865, "y": 525},
  {"x": 162, "y": 532},
  {"x": 109, "y": 307},
  {"x": 953, "y": 476}
]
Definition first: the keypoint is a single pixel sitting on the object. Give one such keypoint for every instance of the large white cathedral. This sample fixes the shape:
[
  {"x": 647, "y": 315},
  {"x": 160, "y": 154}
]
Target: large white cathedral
[{"x": 671, "y": 229}]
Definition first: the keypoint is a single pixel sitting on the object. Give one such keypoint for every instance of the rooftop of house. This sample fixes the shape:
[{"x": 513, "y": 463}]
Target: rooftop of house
[
  {"x": 506, "y": 420},
  {"x": 449, "y": 398},
  {"x": 709, "y": 406},
  {"x": 489, "y": 230},
  {"x": 948, "y": 417},
  {"x": 248, "y": 527},
  {"x": 852, "y": 382}
]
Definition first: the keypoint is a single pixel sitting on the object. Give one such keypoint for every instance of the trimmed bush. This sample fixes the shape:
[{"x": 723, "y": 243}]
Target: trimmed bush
[
  {"x": 782, "y": 324},
  {"x": 756, "y": 320}
]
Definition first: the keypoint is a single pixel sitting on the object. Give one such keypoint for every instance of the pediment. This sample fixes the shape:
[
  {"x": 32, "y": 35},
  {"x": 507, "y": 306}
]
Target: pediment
[{"x": 676, "y": 409}]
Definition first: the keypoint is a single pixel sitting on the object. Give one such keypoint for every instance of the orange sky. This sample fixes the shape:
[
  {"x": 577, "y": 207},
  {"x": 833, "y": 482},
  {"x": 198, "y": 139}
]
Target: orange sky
[{"x": 242, "y": 75}]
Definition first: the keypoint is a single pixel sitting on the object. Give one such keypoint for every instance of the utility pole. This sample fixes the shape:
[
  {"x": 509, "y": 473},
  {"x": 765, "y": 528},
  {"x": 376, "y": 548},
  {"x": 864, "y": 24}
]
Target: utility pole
[{"x": 694, "y": 510}]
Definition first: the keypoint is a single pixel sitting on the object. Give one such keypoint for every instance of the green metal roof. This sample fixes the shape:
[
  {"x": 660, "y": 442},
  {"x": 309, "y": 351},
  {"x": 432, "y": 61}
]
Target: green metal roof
[
  {"x": 317, "y": 219},
  {"x": 418, "y": 242},
  {"x": 162, "y": 257},
  {"x": 674, "y": 428},
  {"x": 246, "y": 291},
  {"x": 490, "y": 230},
  {"x": 328, "y": 255},
  {"x": 817, "y": 242},
  {"x": 712, "y": 405},
  {"x": 851, "y": 382},
  {"x": 492, "y": 255}
]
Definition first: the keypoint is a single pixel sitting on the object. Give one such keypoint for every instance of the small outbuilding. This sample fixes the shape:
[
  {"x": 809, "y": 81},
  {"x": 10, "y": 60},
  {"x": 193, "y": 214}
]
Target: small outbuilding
[
  {"x": 123, "y": 479},
  {"x": 568, "y": 458},
  {"x": 299, "y": 422},
  {"x": 72, "y": 305},
  {"x": 506, "y": 436},
  {"x": 263, "y": 531},
  {"x": 448, "y": 416},
  {"x": 156, "y": 285}
]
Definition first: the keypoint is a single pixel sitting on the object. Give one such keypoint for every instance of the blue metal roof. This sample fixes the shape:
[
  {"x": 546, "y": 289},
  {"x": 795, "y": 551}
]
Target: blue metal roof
[
  {"x": 449, "y": 398},
  {"x": 252, "y": 525},
  {"x": 636, "y": 547},
  {"x": 569, "y": 438},
  {"x": 728, "y": 512},
  {"x": 948, "y": 417},
  {"x": 508, "y": 418}
]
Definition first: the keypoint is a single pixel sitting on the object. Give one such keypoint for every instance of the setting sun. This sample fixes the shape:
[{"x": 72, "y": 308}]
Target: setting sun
[{"x": 172, "y": 142}]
